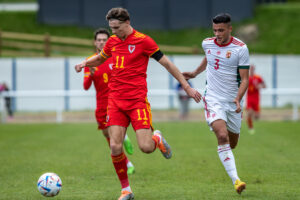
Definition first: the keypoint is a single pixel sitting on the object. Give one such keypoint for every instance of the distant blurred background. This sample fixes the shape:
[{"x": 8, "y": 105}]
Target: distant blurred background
[{"x": 41, "y": 41}]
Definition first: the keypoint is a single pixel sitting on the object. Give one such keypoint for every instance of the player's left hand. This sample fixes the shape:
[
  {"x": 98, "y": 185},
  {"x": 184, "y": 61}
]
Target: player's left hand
[
  {"x": 193, "y": 94},
  {"x": 238, "y": 106}
]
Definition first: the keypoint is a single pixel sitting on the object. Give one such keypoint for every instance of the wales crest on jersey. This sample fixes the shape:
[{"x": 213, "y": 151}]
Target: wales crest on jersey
[{"x": 131, "y": 48}]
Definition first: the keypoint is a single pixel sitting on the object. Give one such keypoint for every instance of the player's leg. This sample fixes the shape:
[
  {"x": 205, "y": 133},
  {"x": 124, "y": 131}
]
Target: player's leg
[
  {"x": 233, "y": 139},
  {"x": 116, "y": 134},
  {"x": 250, "y": 116},
  {"x": 130, "y": 166},
  {"x": 117, "y": 123},
  {"x": 148, "y": 142},
  {"x": 234, "y": 121},
  {"x": 141, "y": 121},
  {"x": 224, "y": 150}
]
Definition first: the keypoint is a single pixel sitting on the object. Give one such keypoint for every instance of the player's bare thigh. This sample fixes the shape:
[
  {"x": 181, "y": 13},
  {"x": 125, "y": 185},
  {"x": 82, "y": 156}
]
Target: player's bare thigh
[
  {"x": 144, "y": 139},
  {"x": 116, "y": 134},
  {"x": 220, "y": 129}
]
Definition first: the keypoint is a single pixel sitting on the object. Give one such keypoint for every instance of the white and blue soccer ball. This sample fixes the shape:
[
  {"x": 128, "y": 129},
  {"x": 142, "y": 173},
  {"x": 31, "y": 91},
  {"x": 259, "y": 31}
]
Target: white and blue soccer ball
[{"x": 49, "y": 184}]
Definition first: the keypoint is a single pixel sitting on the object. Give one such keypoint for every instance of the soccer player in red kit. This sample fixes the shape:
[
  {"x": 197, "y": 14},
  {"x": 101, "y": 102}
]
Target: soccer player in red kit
[
  {"x": 253, "y": 98},
  {"x": 127, "y": 102},
  {"x": 100, "y": 76}
]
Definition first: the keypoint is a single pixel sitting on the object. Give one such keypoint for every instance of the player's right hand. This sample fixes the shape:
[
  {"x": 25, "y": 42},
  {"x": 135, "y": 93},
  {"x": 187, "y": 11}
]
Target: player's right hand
[
  {"x": 188, "y": 75},
  {"x": 79, "y": 67},
  {"x": 193, "y": 94}
]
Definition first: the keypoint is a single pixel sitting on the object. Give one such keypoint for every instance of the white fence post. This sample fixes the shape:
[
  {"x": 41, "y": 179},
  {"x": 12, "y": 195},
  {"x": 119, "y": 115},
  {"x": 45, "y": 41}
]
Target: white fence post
[{"x": 2, "y": 109}]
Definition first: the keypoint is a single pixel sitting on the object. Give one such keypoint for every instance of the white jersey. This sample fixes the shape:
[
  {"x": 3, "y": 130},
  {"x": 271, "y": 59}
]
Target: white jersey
[{"x": 222, "y": 70}]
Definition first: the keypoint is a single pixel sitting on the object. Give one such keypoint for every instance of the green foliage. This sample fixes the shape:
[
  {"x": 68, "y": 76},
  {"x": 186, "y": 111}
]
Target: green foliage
[
  {"x": 79, "y": 154},
  {"x": 278, "y": 29},
  {"x": 278, "y": 26},
  {"x": 18, "y": 1}
]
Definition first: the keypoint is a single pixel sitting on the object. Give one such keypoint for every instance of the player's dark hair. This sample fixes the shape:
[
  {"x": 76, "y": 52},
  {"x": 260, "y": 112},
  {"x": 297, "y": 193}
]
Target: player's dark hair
[
  {"x": 118, "y": 13},
  {"x": 222, "y": 18},
  {"x": 101, "y": 31}
]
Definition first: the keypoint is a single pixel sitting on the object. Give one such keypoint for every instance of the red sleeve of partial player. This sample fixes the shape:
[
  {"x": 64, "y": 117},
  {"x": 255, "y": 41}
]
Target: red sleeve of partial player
[
  {"x": 260, "y": 80},
  {"x": 150, "y": 46},
  {"x": 87, "y": 80}
]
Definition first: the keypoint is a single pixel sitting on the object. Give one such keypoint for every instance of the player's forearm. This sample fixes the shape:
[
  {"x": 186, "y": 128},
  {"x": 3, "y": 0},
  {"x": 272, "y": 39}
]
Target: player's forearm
[
  {"x": 242, "y": 89},
  {"x": 201, "y": 67},
  {"x": 94, "y": 61}
]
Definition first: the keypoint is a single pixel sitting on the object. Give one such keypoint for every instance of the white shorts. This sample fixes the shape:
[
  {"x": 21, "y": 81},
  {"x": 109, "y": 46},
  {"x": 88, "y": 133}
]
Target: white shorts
[{"x": 215, "y": 110}]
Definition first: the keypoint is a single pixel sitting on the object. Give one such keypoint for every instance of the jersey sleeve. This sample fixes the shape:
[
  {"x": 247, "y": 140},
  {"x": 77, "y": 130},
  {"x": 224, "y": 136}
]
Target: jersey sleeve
[
  {"x": 244, "y": 58},
  {"x": 88, "y": 79},
  {"x": 150, "y": 46},
  {"x": 204, "y": 46},
  {"x": 106, "y": 51}
]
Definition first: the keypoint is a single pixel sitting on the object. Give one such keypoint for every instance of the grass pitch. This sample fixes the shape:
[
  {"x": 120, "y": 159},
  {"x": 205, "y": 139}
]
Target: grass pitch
[{"x": 267, "y": 161}]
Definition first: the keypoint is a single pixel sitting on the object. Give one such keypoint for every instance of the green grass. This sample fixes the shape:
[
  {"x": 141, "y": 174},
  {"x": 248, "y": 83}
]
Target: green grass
[{"x": 268, "y": 161}]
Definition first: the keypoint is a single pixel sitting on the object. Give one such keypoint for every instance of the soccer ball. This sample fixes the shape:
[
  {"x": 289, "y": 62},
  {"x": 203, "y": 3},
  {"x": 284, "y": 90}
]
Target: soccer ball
[{"x": 49, "y": 184}]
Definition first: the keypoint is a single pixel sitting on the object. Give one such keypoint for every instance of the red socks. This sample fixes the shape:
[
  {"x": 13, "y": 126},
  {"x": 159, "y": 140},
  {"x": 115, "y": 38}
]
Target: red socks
[
  {"x": 250, "y": 123},
  {"x": 121, "y": 168}
]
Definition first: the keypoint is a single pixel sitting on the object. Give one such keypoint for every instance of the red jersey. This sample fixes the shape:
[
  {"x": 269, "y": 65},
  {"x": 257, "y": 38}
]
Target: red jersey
[
  {"x": 253, "y": 91},
  {"x": 100, "y": 79},
  {"x": 130, "y": 61}
]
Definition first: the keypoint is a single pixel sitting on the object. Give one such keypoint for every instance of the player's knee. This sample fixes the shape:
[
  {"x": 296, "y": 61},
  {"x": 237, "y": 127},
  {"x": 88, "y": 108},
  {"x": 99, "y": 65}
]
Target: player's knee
[
  {"x": 223, "y": 138},
  {"x": 115, "y": 148},
  {"x": 146, "y": 148}
]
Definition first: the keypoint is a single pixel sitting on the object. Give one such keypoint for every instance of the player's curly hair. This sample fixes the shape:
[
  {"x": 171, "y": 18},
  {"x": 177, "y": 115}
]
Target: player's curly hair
[
  {"x": 222, "y": 18},
  {"x": 118, "y": 13},
  {"x": 101, "y": 31}
]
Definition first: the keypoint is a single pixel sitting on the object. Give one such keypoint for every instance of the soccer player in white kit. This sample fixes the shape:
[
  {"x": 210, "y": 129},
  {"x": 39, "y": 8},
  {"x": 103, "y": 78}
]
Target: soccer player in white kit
[{"x": 227, "y": 72}]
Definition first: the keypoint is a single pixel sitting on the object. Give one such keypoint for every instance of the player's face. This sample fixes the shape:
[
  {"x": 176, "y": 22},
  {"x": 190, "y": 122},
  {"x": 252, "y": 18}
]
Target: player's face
[
  {"x": 100, "y": 41},
  {"x": 119, "y": 28},
  {"x": 222, "y": 32}
]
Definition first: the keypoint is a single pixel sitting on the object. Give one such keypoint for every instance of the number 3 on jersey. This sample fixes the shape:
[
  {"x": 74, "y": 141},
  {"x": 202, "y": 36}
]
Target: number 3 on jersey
[{"x": 217, "y": 64}]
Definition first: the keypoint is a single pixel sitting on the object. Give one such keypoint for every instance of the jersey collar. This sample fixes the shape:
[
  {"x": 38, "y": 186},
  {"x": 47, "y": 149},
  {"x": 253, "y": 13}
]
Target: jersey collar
[{"x": 223, "y": 45}]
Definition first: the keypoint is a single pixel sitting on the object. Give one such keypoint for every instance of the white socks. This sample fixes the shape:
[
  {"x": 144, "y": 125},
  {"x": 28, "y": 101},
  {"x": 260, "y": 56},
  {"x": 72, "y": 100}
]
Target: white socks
[
  {"x": 125, "y": 138},
  {"x": 129, "y": 164},
  {"x": 227, "y": 159},
  {"x": 127, "y": 189}
]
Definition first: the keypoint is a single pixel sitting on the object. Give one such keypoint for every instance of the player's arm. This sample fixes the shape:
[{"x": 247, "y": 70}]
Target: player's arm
[
  {"x": 88, "y": 78},
  {"x": 262, "y": 84},
  {"x": 199, "y": 70},
  {"x": 164, "y": 61},
  {"x": 244, "y": 73},
  {"x": 91, "y": 62}
]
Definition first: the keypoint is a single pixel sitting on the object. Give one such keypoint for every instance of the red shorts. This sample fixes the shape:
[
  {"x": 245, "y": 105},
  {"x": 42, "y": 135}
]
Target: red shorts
[
  {"x": 122, "y": 112},
  {"x": 100, "y": 114},
  {"x": 254, "y": 105}
]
